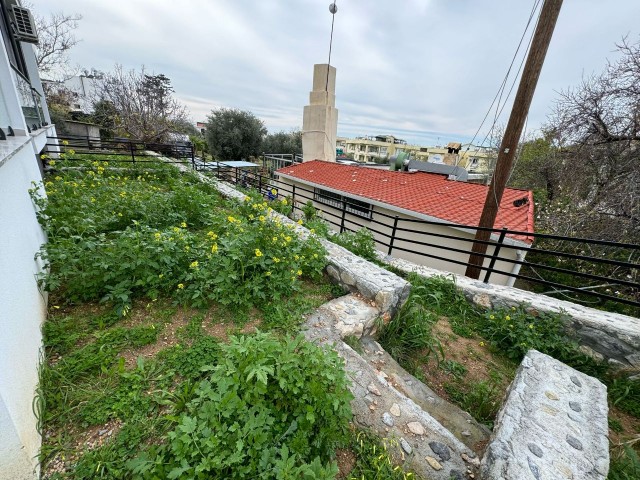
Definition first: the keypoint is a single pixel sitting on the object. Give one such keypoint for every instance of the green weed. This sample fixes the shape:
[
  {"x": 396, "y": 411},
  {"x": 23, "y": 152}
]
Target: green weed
[{"x": 271, "y": 409}]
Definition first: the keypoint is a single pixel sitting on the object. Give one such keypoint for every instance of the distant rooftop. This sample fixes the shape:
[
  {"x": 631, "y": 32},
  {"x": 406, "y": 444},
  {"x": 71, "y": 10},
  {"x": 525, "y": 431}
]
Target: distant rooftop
[{"x": 420, "y": 192}]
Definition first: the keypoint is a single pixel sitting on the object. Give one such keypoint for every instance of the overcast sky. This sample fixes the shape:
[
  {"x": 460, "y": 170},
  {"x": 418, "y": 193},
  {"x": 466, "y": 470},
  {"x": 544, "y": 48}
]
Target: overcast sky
[{"x": 423, "y": 70}]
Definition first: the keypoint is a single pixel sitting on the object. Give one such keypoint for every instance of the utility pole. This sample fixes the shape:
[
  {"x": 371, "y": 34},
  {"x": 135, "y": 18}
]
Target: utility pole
[{"x": 528, "y": 81}]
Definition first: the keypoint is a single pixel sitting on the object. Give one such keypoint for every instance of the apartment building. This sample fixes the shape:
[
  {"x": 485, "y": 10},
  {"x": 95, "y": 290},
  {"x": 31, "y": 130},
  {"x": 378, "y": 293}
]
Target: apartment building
[{"x": 379, "y": 148}]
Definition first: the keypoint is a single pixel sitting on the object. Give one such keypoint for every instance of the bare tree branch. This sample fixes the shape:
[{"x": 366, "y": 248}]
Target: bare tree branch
[{"x": 55, "y": 39}]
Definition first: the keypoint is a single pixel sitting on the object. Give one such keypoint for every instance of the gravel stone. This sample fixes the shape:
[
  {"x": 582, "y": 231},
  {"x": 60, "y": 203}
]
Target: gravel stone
[
  {"x": 416, "y": 428},
  {"x": 441, "y": 450}
]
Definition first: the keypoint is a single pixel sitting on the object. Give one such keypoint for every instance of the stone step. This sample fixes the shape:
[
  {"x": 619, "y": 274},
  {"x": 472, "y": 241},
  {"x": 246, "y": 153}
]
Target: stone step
[
  {"x": 465, "y": 428},
  {"x": 422, "y": 443},
  {"x": 553, "y": 424}
]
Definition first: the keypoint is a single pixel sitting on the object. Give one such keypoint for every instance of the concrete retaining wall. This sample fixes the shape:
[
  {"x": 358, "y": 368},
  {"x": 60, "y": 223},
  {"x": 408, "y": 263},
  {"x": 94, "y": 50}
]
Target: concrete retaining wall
[{"x": 607, "y": 336}]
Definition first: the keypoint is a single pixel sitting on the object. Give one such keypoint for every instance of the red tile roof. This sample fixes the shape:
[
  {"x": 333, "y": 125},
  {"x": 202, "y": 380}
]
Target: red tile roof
[{"x": 426, "y": 193}]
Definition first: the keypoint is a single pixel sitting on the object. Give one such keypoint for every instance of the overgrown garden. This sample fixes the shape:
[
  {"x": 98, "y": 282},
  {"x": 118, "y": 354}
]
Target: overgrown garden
[{"x": 172, "y": 346}]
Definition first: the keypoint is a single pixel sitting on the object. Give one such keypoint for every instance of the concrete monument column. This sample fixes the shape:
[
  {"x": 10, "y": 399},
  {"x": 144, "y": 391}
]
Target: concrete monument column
[{"x": 320, "y": 118}]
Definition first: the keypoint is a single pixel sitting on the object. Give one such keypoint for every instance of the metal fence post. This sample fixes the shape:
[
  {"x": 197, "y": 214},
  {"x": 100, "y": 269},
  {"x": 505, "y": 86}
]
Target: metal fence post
[
  {"x": 193, "y": 158},
  {"x": 344, "y": 212},
  {"x": 133, "y": 154},
  {"x": 393, "y": 234},
  {"x": 293, "y": 197},
  {"x": 494, "y": 257}
]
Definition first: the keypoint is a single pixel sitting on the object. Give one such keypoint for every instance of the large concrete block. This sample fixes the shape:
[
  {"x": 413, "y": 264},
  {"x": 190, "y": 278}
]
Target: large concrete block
[{"x": 553, "y": 425}]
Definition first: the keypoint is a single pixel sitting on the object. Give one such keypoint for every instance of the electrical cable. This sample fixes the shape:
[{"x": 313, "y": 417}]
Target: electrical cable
[{"x": 504, "y": 81}]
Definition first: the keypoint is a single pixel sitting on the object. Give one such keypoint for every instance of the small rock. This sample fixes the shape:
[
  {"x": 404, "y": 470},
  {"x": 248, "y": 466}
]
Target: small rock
[
  {"x": 549, "y": 410},
  {"x": 575, "y": 380},
  {"x": 575, "y": 406},
  {"x": 469, "y": 459},
  {"x": 405, "y": 446},
  {"x": 535, "y": 449},
  {"x": 574, "y": 442},
  {"x": 465, "y": 433},
  {"x": 441, "y": 450},
  {"x": 383, "y": 375},
  {"x": 387, "y": 419},
  {"x": 372, "y": 407},
  {"x": 102, "y": 432},
  {"x": 416, "y": 428},
  {"x": 551, "y": 395},
  {"x": 373, "y": 389},
  {"x": 395, "y": 410},
  {"x": 368, "y": 398},
  {"x": 433, "y": 462},
  {"x": 534, "y": 469}
]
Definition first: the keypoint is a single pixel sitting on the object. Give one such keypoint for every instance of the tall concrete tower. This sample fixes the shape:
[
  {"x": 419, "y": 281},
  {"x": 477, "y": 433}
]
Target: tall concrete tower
[{"x": 320, "y": 118}]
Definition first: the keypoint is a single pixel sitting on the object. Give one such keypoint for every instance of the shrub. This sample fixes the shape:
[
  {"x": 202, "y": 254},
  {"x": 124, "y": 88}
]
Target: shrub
[
  {"x": 360, "y": 242},
  {"x": 271, "y": 409},
  {"x": 516, "y": 331},
  {"x": 409, "y": 332}
]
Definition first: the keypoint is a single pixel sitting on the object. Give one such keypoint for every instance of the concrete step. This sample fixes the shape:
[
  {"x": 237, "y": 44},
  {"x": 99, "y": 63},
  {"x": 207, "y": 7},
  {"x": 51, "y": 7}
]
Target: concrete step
[
  {"x": 422, "y": 442},
  {"x": 465, "y": 428}
]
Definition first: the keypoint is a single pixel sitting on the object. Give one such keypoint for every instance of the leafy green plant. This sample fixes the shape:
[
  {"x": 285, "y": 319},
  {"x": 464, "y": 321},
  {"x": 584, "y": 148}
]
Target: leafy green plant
[
  {"x": 482, "y": 400},
  {"x": 409, "y": 332},
  {"x": 270, "y": 409},
  {"x": 453, "y": 368},
  {"x": 153, "y": 234},
  {"x": 373, "y": 460},
  {"x": 360, "y": 242},
  {"x": 625, "y": 464},
  {"x": 515, "y": 331},
  {"x": 309, "y": 210}
]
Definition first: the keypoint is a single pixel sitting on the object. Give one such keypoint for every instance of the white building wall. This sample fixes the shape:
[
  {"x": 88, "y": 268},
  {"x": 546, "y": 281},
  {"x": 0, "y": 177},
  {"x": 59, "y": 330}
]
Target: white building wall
[
  {"x": 22, "y": 310},
  {"x": 22, "y": 305}
]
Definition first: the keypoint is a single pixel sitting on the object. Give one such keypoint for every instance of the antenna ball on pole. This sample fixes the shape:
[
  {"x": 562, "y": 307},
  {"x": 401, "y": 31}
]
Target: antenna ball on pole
[{"x": 333, "y": 8}]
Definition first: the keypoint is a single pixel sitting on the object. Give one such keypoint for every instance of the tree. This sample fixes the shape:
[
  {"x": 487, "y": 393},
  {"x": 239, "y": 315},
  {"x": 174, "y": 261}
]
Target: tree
[
  {"x": 585, "y": 172},
  {"x": 283, "y": 142},
  {"x": 55, "y": 39},
  {"x": 234, "y": 134},
  {"x": 587, "y": 165},
  {"x": 144, "y": 104}
]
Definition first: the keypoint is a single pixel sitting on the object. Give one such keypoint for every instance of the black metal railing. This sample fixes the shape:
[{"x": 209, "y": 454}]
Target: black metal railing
[
  {"x": 608, "y": 274},
  {"x": 120, "y": 150},
  {"x": 578, "y": 269}
]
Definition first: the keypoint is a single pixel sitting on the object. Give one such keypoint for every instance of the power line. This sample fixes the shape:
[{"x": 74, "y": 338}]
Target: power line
[{"x": 506, "y": 77}]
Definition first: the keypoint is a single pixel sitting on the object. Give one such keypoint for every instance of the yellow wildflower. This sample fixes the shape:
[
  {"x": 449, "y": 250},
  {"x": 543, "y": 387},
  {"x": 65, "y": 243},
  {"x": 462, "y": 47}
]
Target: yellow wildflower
[
  {"x": 214, "y": 248},
  {"x": 299, "y": 272},
  {"x": 183, "y": 224},
  {"x": 300, "y": 222},
  {"x": 194, "y": 264},
  {"x": 268, "y": 274},
  {"x": 261, "y": 218},
  {"x": 288, "y": 239},
  {"x": 212, "y": 235},
  {"x": 492, "y": 317},
  {"x": 52, "y": 162},
  {"x": 507, "y": 318},
  {"x": 161, "y": 275},
  {"x": 231, "y": 219},
  {"x": 274, "y": 191},
  {"x": 180, "y": 286},
  {"x": 276, "y": 260},
  {"x": 65, "y": 142},
  {"x": 531, "y": 325},
  {"x": 481, "y": 344},
  {"x": 258, "y": 252}
]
